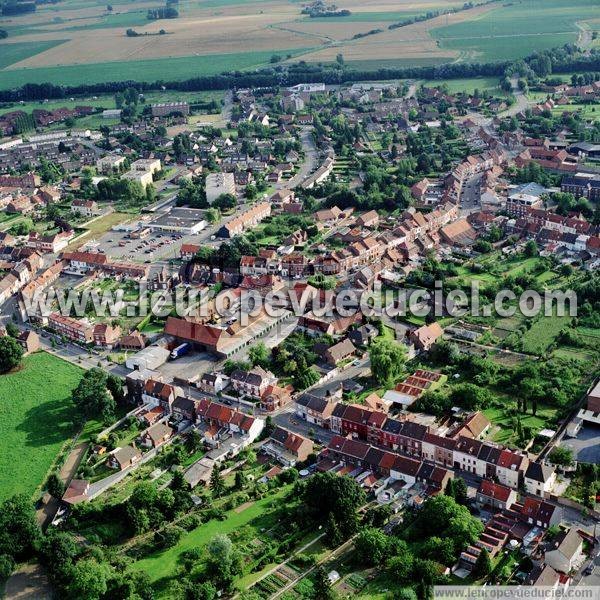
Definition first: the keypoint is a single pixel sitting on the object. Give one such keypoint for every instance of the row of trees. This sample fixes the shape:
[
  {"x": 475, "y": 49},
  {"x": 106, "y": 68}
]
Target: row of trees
[{"x": 560, "y": 60}]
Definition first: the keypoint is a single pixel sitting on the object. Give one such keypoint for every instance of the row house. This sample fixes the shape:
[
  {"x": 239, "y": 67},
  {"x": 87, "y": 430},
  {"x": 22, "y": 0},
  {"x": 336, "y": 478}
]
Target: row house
[
  {"x": 252, "y": 383},
  {"x": 381, "y": 462},
  {"x": 248, "y": 219},
  {"x": 77, "y": 330},
  {"x": 160, "y": 394},
  {"x": 222, "y": 417}
]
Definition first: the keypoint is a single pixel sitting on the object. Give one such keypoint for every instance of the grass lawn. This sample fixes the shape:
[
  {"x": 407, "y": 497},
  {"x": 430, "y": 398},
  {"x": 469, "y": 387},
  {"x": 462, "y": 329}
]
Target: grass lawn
[
  {"x": 35, "y": 417},
  {"x": 467, "y": 85},
  {"x": 162, "y": 565},
  {"x": 506, "y": 433},
  {"x": 99, "y": 227}
]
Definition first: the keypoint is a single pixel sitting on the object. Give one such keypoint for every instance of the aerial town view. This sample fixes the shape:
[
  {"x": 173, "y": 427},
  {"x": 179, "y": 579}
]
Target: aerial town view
[{"x": 298, "y": 300}]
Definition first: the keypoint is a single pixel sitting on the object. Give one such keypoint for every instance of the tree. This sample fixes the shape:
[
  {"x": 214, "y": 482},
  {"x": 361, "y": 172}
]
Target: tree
[
  {"x": 483, "y": 565},
  {"x": 440, "y": 549},
  {"x": 322, "y": 585},
  {"x": 259, "y": 355},
  {"x": 531, "y": 248},
  {"x": 89, "y": 580},
  {"x": 225, "y": 202},
  {"x": 12, "y": 329},
  {"x": 19, "y": 530},
  {"x": 460, "y": 491},
  {"x": 11, "y": 353},
  {"x": 193, "y": 441},
  {"x": 7, "y": 566},
  {"x": 55, "y": 486},
  {"x": 561, "y": 456},
  {"x": 371, "y": 546},
  {"x": 91, "y": 396},
  {"x": 326, "y": 494},
  {"x": 217, "y": 485},
  {"x": 115, "y": 385},
  {"x": 224, "y": 561},
  {"x": 387, "y": 360},
  {"x": 400, "y": 566}
]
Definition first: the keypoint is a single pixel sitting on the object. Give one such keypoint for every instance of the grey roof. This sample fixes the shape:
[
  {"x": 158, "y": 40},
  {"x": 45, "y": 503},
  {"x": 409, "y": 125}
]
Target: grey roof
[{"x": 539, "y": 472}]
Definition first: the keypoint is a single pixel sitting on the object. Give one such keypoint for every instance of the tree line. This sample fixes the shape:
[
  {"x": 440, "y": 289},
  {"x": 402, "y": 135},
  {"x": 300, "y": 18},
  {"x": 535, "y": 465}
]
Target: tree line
[{"x": 566, "y": 59}]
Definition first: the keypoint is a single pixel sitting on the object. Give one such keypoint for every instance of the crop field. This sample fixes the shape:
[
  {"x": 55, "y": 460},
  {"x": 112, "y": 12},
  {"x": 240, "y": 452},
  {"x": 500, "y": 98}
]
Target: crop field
[
  {"x": 35, "y": 420},
  {"x": 509, "y": 31},
  {"x": 543, "y": 333},
  {"x": 78, "y": 41}
]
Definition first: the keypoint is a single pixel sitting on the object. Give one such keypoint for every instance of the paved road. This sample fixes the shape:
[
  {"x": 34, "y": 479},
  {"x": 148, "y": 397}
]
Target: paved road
[
  {"x": 470, "y": 197},
  {"x": 311, "y": 156}
]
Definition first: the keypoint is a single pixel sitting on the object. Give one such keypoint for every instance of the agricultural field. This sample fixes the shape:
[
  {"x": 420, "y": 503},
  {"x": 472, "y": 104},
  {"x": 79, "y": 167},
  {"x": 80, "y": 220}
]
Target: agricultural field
[
  {"x": 508, "y": 31},
  {"x": 74, "y": 41},
  {"x": 36, "y": 420}
]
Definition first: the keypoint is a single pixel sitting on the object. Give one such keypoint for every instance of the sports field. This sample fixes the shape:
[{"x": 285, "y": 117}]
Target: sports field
[{"x": 35, "y": 420}]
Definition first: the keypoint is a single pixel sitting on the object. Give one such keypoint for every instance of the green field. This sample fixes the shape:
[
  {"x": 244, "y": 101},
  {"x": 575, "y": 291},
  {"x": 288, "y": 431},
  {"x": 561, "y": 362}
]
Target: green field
[
  {"x": 543, "y": 333},
  {"x": 517, "y": 28},
  {"x": 467, "y": 85},
  {"x": 15, "y": 52},
  {"x": 165, "y": 69},
  {"x": 163, "y": 564},
  {"x": 35, "y": 420}
]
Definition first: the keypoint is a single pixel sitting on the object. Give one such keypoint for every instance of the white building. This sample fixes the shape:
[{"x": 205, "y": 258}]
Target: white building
[
  {"x": 568, "y": 552},
  {"x": 218, "y": 184},
  {"x": 539, "y": 479}
]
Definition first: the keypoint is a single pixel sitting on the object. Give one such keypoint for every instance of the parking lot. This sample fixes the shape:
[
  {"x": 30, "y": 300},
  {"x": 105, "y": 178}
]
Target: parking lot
[
  {"x": 586, "y": 446},
  {"x": 154, "y": 246}
]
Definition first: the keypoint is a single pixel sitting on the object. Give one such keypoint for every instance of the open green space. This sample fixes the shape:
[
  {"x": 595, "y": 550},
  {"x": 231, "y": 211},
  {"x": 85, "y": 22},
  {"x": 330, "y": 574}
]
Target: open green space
[
  {"x": 468, "y": 85},
  {"x": 35, "y": 420},
  {"x": 163, "y": 564},
  {"x": 509, "y": 31},
  {"x": 502, "y": 421},
  {"x": 11, "y": 53},
  {"x": 171, "y": 69},
  {"x": 543, "y": 333}
]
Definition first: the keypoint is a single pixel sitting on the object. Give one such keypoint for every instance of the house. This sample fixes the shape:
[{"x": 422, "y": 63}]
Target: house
[
  {"x": 133, "y": 341},
  {"x": 315, "y": 409},
  {"x": 275, "y": 397},
  {"x": 252, "y": 383},
  {"x": 424, "y": 337},
  {"x": 567, "y": 553},
  {"x": 160, "y": 394},
  {"x": 340, "y": 351},
  {"x": 86, "y": 208},
  {"x": 188, "y": 251},
  {"x": 73, "y": 329},
  {"x": 364, "y": 335},
  {"x": 288, "y": 447},
  {"x": 29, "y": 341},
  {"x": 539, "y": 479},
  {"x": 212, "y": 383},
  {"x": 183, "y": 409},
  {"x": 495, "y": 495},
  {"x": 77, "y": 491},
  {"x": 543, "y": 576},
  {"x": 125, "y": 457},
  {"x": 156, "y": 435},
  {"x": 106, "y": 335},
  {"x": 476, "y": 425},
  {"x": 540, "y": 513}
]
